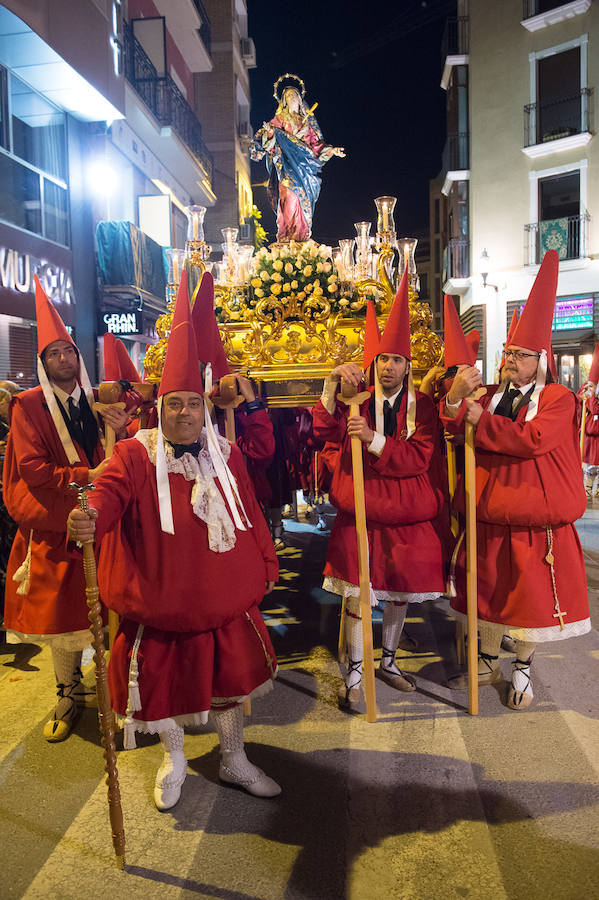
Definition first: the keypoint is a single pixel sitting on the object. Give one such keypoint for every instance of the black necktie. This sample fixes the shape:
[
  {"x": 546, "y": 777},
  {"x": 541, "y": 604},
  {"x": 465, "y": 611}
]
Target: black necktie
[
  {"x": 74, "y": 413},
  {"x": 389, "y": 419},
  {"x": 507, "y": 406},
  {"x": 180, "y": 449}
]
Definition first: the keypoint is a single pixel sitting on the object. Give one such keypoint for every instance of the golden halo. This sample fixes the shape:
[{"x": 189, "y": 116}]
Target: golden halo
[{"x": 277, "y": 91}]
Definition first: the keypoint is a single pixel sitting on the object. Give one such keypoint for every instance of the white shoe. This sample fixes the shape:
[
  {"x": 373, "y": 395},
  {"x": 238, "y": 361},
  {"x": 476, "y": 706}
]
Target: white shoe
[
  {"x": 169, "y": 780},
  {"x": 249, "y": 777}
]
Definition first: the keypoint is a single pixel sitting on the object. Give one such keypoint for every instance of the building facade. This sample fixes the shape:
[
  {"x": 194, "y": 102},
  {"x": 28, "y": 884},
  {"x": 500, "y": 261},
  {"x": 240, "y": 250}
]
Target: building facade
[
  {"x": 520, "y": 168},
  {"x": 102, "y": 146}
]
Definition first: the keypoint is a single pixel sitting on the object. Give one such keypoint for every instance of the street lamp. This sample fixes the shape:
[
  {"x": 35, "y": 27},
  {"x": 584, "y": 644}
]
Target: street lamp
[{"x": 485, "y": 268}]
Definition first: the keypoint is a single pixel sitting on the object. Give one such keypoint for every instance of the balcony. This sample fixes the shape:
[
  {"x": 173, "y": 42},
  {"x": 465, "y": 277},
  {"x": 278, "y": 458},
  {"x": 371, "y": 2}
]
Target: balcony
[
  {"x": 456, "y": 159},
  {"x": 456, "y": 37},
  {"x": 454, "y": 46},
  {"x": 537, "y": 14},
  {"x": 205, "y": 28},
  {"x": 568, "y": 235},
  {"x": 560, "y": 125},
  {"x": 458, "y": 258},
  {"x": 164, "y": 99}
]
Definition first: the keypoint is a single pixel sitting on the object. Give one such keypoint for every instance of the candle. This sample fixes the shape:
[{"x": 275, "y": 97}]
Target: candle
[
  {"x": 406, "y": 257},
  {"x": 175, "y": 270},
  {"x": 385, "y": 216},
  {"x": 194, "y": 225}
]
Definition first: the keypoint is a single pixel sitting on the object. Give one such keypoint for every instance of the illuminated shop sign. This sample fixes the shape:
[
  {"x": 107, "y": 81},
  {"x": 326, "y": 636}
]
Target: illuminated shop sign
[
  {"x": 573, "y": 312},
  {"x": 121, "y": 323},
  {"x": 17, "y": 271}
]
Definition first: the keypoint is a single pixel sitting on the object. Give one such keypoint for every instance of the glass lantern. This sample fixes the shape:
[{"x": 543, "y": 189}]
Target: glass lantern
[
  {"x": 407, "y": 250},
  {"x": 385, "y": 223},
  {"x": 195, "y": 223}
]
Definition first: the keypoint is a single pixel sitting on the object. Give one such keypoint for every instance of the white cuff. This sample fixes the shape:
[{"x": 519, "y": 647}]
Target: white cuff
[
  {"x": 377, "y": 444},
  {"x": 329, "y": 392},
  {"x": 453, "y": 405}
]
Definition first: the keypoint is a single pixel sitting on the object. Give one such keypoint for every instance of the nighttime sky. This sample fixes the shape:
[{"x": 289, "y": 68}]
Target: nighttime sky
[{"x": 385, "y": 107}]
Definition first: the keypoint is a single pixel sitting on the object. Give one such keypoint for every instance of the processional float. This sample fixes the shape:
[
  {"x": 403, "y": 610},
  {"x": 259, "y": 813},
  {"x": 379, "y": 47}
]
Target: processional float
[{"x": 290, "y": 312}]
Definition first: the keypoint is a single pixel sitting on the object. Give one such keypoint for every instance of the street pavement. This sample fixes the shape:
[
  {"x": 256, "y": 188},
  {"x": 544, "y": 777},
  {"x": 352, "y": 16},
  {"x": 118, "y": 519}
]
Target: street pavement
[{"x": 427, "y": 803}]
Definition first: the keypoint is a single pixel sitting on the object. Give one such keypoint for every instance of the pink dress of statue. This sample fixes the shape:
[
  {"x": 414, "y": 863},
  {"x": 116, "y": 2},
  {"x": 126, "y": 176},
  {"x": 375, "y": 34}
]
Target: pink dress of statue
[{"x": 295, "y": 154}]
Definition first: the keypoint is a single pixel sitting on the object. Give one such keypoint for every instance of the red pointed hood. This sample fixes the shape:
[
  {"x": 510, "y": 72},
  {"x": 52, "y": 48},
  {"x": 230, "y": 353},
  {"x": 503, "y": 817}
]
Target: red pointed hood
[
  {"x": 112, "y": 371},
  {"x": 372, "y": 335},
  {"x": 457, "y": 351},
  {"x": 396, "y": 336},
  {"x": 50, "y": 326},
  {"x": 473, "y": 341},
  {"x": 533, "y": 331},
  {"x": 512, "y": 327},
  {"x": 594, "y": 372},
  {"x": 126, "y": 366},
  {"x": 181, "y": 367},
  {"x": 210, "y": 345}
]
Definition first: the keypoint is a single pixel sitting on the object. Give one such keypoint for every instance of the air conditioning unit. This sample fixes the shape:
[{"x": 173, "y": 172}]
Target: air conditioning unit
[
  {"x": 245, "y": 233},
  {"x": 248, "y": 52}
]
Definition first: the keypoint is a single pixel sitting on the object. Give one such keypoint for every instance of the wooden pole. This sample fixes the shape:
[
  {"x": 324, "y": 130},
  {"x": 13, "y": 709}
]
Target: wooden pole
[
  {"x": 451, "y": 481},
  {"x": 471, "y": 574},
  {"x": 582, "y": 426},
  {"x": 363, "y": 562},
  {"x": 105, "y": 713}
]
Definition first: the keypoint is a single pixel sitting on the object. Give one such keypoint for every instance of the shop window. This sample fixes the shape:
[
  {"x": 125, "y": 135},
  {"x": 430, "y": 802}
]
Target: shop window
[{"x": 56, "y": 217}]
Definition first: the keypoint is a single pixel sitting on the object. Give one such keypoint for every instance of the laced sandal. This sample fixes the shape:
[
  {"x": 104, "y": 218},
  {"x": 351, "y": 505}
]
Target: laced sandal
[
  {"x": 487, "y": 673},
  {"x": 350, "y": 698},
  {"x": 407, "y": 642},
  {"x": 394, "y": 676},
  {"x": 257, "y": 783},
  {"x": 508, "y": 644},
  {"x": 60, "y": 725},
  {"x": 516, "y": 698}
]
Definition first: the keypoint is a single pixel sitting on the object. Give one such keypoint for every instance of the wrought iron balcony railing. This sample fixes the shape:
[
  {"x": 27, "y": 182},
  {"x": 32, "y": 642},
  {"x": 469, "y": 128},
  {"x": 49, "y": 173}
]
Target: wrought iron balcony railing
[
  {"x": 561, "y": 118},
  {"x": 458, "y": 258},
  {"x": 456, "y": 153},
  {"x": 456, "y": 37},
  {"x": 162, "y": 96},
  {"x": 568, "y": 235}
]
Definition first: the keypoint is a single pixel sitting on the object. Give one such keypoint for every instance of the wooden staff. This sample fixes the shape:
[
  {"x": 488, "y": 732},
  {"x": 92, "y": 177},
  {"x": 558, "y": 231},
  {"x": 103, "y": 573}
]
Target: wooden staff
[
  {"x": 348, "y": 396},
  {"x": 105, "y": 713},
  {"x": 451, "y": 482},
  {"x": 109, "y": 394},
  {"x": 228, "y": 399},
  {"x": 582, "y": 425},
  {"x": 471, "y": 573}
]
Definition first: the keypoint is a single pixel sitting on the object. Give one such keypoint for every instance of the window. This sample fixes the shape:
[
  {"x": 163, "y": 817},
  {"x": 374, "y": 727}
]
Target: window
[
  {"x": 559, "y": 220},
  {"x": 559, "y": 196},
  {"x": 33, "y": 161}
]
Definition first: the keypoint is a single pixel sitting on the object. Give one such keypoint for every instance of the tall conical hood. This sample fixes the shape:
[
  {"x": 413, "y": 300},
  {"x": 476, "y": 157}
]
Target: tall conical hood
[
  {"x": 533, "y": 331},
  {"x": 210, "y": 345},
  {"x": 126, "y": 365},
  {"x": 457, "y": 351},
  {"x": 372, "y": 335},
  {"x": 112, "y": 370},
  {"x": 396, "y": 336},
  {"x": 594, "y": 372},
  {"x": 473, "y": 341},
  {"x": 512, "y": 327},
  {"x": 50, "y": 326},
  {"x": 181, "y": 367}
]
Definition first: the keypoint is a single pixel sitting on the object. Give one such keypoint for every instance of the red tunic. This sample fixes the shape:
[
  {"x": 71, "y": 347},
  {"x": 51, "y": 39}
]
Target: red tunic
[
  {"x": 255, "y": 439},
  {"x": 402, "y": 500},
  {"x": 590, "y": 450},
  {"x": 36, "y": 478},
  {"x": 203, "y": 635},
  {"x": 528, "y": 478}
]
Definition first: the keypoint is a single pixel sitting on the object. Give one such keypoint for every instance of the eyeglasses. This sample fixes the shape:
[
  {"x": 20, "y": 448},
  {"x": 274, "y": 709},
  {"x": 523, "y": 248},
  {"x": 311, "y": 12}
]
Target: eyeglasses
[{"x": 519, "y": 355}]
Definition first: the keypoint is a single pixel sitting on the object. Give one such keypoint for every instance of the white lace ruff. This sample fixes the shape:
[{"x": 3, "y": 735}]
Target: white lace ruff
[
  {"x": 191, "y": 719},
  {"x": 71, "y": 640},
  {"x": 206, "y": 500},
  {"x": 538, "y": 635},
  {"x": 345, "y": 589}
]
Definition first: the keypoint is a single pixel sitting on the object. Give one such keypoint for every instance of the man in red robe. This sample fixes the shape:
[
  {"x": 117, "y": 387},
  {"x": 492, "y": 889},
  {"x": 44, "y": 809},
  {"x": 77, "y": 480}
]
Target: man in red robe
[
  {"x": 54, "y": 440},
  {"x": 185, "y": 559},
  {"x": 529, "y": 492},
  {"x": 399, "y": 430},
  {"x": 590, "y": 450}
]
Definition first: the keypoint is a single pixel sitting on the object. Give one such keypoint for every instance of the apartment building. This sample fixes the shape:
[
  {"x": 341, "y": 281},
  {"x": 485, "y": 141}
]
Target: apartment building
[
  {"x": 102, "y": 146},
  {"x": 520, "y": 168}
]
